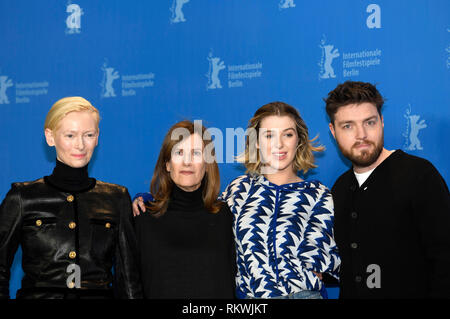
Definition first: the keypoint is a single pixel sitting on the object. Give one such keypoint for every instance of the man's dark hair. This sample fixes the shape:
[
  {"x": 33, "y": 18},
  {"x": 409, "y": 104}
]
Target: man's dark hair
[{"x": 351, "y": 92}]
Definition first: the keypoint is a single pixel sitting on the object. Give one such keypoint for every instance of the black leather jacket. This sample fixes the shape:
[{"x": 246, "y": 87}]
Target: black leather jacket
[{"x": 91, "y": 228}]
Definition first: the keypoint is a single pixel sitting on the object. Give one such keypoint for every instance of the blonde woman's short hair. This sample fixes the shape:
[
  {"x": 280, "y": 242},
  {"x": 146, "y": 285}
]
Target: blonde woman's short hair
[{"x": 66, "y": 105}]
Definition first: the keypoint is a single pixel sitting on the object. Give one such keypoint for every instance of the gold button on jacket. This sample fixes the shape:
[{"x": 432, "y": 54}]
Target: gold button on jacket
[
  {"x": 70, "y": 198},
  {"x": 72, "y": 255}
]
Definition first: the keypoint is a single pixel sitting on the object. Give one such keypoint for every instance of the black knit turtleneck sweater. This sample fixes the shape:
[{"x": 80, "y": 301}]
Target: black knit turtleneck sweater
[
  {"x": 70, "y": 179},
  {"x": 188, "y": 252}
]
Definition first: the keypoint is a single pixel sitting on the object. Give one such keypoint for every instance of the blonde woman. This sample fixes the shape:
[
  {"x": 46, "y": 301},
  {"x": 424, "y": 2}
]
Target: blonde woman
[
  {"x": 282, "y": 223},
  {"x": 73, "y": 229}
]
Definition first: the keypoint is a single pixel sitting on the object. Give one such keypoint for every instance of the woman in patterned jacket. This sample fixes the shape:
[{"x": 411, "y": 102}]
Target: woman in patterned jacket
[{"x": 283, "y": 225}]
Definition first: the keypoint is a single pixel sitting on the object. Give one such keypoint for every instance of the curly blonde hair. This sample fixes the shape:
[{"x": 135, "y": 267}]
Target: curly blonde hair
[{"x": 304, "y": 158}]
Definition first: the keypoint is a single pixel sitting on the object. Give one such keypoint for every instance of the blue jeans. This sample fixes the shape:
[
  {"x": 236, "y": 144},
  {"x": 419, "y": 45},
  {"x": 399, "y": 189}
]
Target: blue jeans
[{"x": 304, "y": 294}]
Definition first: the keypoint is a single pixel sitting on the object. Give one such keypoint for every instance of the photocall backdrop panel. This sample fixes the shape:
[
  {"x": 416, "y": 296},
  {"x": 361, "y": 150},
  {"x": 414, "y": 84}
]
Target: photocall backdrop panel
[{"x": 149, "y": 64}]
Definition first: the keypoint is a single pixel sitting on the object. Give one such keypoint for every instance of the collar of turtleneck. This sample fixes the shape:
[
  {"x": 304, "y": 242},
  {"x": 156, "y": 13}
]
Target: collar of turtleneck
[
  {"x": 186, "y": 201},
  {"x": 70, "y": 179}
]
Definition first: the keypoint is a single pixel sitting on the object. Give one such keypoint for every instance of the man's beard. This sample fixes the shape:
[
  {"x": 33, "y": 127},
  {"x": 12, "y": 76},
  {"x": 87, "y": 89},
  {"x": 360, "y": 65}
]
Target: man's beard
[{"x": 365, "y": 157}]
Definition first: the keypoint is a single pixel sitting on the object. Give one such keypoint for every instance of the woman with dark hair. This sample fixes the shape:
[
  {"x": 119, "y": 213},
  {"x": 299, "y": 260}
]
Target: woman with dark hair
[
  {"x": 73, "y": 229},
  {"x": 185, "y": 240}
]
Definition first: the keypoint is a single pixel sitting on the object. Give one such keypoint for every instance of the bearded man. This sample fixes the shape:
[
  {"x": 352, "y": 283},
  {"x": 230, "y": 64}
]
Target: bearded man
[{"x": 392, "y": 209}]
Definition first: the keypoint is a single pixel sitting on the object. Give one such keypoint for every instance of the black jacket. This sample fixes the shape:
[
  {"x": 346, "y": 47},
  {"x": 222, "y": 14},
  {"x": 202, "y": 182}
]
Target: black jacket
[
  {"x": 393, "y": 231},
  {"x": 91, "y": 228}
]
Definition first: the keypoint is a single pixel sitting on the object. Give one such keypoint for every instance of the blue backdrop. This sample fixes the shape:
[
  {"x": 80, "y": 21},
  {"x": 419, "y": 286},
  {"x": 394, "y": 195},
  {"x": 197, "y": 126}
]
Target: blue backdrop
[{"x": 148, "y": 64}]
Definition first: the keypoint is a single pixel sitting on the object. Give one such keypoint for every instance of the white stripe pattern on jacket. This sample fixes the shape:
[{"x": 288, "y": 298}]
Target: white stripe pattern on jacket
[{"x": 282, "y": 234}]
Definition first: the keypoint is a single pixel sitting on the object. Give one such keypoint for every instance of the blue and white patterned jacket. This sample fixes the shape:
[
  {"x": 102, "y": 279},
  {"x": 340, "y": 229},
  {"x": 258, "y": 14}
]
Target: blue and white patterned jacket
[{"x": 282, "y": 233}]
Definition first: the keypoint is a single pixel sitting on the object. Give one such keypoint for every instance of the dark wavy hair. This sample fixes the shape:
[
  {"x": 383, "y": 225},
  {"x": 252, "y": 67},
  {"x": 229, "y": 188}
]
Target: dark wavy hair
[{"x": 351, "y": 92}]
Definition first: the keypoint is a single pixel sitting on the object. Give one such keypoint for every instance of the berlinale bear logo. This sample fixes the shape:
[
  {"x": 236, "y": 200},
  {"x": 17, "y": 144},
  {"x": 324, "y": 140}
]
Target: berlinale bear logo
[
  {"x": 109, "y": 75},
  {"x": 177, "y": 13},
  {"x": 329, "y": 53},
  {"x": 285, "y": 4},
  {"x": 215, "y": 66},
  {"x": 5, "y": 83},
  {"x": 413, "y": 126}
]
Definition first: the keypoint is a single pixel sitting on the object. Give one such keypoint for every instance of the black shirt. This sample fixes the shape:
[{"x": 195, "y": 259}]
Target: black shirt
[
  {"x": 393, "y": 232},
  {"x": 188, "y": 252}
]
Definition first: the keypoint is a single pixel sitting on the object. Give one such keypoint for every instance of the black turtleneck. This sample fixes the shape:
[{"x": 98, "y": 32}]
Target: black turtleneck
[
  {"x": 186, "y": 201},
  {"x": 70, "y": 179},
  {"x": 188, "y": 252}
]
